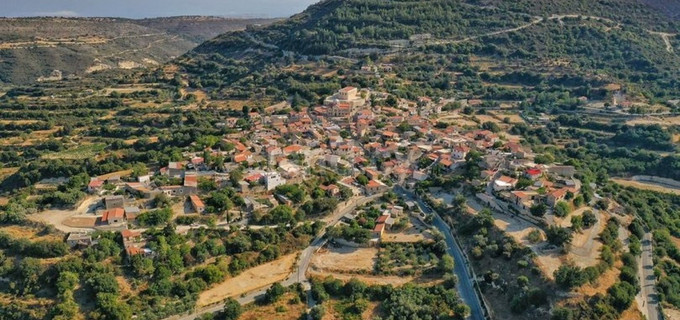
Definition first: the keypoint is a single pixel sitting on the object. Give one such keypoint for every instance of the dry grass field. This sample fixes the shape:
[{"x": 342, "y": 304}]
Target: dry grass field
[
  {"x": 286, "y": 311},
  {"x": 28, "y": 233},
  {"x": 671, "y": 314},
  {"x": 663, "y": 121},
  {"x": 646, "y": 186},
  {"x": 345, "y": 259},
  {"x": 250, "y": 280}
]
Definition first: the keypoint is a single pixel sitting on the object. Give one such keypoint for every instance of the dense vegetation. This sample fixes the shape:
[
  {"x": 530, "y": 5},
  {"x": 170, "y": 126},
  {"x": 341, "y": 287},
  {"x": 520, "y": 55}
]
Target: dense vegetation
[{"x": 407, "y": 302}]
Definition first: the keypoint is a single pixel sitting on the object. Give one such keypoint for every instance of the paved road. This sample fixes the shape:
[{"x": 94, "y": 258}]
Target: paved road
[
  {"x": 465, "y": 284},
  {"x": 648, "y": 296}
]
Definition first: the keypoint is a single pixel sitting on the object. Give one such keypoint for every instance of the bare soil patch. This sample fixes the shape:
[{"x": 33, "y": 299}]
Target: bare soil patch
[
  {"x": 671, "y": 314},
  {"x": 80, "y": 222},
  {"x": 121, "y": 174},
  {"x": 345, "y": 259},
  {"x": 250, "y": 280},
  {"x": 61, "y": 219}
]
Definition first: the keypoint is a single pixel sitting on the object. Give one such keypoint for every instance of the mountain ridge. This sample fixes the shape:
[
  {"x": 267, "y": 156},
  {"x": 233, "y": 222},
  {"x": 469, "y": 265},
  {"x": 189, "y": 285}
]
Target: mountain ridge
[
  {"x": 619, "y": 46},
  {"x": 31, "y": 48}
]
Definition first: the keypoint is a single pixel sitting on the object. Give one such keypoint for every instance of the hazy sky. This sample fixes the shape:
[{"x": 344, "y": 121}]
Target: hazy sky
[{"x": 152, "y": 8}]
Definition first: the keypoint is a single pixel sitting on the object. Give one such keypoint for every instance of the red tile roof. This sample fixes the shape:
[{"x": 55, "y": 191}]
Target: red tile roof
[
  {"x": 196, "y": 201},
  {"x": 374, "y": 184},
  {"x": 130, "y": 234},
  {"x": 117, "y": 213},
  {"x": 534, "y": 172},
  {"x": 191, "y": 181},
  {"x": 95, "y": 183},
  {"x": 292, "y": 148},
  {"x": 380, "y": 227},
  {"x": 133, "y": 251}
]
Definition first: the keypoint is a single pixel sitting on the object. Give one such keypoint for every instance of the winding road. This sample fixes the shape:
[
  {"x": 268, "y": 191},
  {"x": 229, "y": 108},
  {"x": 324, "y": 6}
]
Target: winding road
[
  {"x": 298, "y": 276},
  {"x": 465, "y": 283}
]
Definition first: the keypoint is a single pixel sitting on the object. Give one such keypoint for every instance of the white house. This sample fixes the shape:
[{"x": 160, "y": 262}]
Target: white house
[
  {"x": 273, "y": 180},
  {"x": 504, "y": 183}
]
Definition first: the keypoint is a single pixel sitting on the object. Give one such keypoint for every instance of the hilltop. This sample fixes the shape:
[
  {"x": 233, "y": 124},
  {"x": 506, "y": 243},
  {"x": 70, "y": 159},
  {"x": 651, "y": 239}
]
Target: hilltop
[
  {"x": 32, "y": 48},
  {"x": 600, "y": 42}
]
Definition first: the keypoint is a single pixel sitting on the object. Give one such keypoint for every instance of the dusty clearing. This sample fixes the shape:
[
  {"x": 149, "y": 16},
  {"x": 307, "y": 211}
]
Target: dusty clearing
[
  {"x": 584, "y": 251},
  {"x": 671, "y": 314},
  {"x": 291, "y": 311},
  {"x": 345, "y": 259},
  {"x": 646, "y": 186},
  {"x": 250, "y": 280},
  {"x": 80, "y": 222},
  {"x": 519, "y": 230},
  {"x": 59, "y": 218},
  {"x": 121, "y": 174}
]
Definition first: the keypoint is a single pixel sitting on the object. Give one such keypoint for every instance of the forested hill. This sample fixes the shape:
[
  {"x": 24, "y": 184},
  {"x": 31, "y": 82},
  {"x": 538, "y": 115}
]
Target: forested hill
[
  {"x": 652, "y": 14},
  {"x": 622, "y": 41}
]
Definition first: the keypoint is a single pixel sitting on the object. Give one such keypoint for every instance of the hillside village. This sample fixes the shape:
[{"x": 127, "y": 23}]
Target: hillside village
[
  {"x": 362, "y": 159},
  {"x": 353, "y": 136}
]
